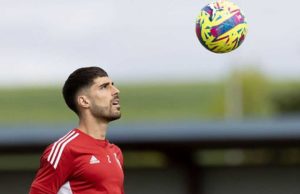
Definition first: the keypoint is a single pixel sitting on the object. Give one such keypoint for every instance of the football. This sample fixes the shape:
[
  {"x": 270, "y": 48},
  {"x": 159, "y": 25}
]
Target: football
[{"x": 221, "y": 26}]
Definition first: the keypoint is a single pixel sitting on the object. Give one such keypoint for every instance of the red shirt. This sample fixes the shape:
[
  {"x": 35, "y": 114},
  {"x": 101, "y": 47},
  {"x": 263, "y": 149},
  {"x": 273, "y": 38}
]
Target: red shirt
[{"x": 80, "y": 164}]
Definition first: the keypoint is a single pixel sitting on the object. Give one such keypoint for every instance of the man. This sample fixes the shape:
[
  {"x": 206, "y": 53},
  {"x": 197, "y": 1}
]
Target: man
[{"x": 84, "y": 161}]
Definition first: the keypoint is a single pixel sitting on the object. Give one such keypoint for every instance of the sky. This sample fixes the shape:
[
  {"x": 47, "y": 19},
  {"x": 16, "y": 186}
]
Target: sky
[{"x": 139, "y": 41}]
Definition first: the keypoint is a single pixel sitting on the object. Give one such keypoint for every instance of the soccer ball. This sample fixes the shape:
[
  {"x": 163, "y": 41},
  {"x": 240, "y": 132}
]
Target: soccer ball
[{"x": 221, "y": 27}]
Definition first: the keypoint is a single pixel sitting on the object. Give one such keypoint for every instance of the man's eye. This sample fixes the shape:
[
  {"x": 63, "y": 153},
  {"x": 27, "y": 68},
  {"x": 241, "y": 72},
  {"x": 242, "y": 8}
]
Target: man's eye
[{"x": 103, "y": 87}]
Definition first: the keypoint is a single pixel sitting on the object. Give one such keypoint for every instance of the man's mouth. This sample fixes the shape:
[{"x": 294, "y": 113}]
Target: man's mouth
[{"x": 116, "y": 102}]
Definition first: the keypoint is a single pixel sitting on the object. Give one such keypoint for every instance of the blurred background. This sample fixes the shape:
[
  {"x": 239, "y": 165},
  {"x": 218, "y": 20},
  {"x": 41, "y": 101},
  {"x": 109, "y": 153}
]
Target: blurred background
[{"x": 193, "y": 122}]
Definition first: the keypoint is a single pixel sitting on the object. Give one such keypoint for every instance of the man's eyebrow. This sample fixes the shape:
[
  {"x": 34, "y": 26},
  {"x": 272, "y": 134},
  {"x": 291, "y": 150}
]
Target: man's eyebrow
[{"x": 104, "y": 84}]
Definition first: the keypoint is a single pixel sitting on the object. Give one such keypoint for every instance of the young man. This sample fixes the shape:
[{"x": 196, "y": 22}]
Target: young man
[{"x": 83, "y": 161}]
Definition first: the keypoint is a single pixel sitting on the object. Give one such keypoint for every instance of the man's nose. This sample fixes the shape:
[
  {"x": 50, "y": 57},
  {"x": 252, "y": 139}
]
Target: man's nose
[{"x": 115, "y": 90}]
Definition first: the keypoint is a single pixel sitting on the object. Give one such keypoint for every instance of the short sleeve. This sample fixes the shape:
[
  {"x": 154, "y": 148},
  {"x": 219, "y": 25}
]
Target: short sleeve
[
  {"x": 119, "y": 156},
  {"x": 55, "y": 168}
]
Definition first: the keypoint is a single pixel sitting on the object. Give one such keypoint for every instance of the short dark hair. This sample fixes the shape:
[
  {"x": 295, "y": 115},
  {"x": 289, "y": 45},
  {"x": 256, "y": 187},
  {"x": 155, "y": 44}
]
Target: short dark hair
[{"x": 77, "y": 80}]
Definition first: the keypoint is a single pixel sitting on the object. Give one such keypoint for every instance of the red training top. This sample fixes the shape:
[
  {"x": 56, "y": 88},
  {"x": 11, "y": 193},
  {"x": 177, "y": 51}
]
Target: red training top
[{"x": 79, "y": 164}]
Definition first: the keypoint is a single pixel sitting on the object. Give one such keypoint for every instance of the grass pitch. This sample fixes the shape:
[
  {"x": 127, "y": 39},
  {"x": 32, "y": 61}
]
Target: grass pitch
[{"x": 139, "y": 103}]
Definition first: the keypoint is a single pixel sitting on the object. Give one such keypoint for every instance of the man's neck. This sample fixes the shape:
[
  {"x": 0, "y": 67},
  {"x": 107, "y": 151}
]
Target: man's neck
[{"x": 93, "y": 127}]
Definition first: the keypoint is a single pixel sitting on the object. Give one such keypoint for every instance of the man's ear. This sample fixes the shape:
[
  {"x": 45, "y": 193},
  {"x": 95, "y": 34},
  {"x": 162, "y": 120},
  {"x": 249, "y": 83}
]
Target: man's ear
[{"x": 83, "y": 101}]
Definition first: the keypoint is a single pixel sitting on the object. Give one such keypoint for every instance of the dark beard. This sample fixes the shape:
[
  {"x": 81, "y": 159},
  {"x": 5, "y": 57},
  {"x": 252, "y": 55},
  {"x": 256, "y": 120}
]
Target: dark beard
[
  {"x": 111, "y": 117},
  {"x": 105, "y": 113}
]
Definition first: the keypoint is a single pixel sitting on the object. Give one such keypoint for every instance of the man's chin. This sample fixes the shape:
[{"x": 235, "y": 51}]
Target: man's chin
[{"x": 114, "y": 117}]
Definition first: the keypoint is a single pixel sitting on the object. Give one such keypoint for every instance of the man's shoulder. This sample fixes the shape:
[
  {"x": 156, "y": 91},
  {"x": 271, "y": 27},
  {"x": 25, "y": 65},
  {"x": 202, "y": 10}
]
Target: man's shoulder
[
  {"x": 60, "y": 149},
  {"x": 114, "y": 147},
  {"x": 67, "y": 139},
  {"x": 64, "y": 143}
]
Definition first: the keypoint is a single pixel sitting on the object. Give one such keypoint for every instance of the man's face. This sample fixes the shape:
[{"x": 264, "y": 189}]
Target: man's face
[{"x": 104, "y": 99}]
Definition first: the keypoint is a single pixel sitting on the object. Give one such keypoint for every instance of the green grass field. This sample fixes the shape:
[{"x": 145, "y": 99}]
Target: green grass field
[
  {"x": 139, "y": 103},
  {"x": 165, "y": 102}
]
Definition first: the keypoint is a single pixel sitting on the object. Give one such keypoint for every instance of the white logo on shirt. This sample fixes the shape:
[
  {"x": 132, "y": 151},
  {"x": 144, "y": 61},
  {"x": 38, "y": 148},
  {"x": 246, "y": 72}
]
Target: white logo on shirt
[{"x": 94, "y": 160}]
